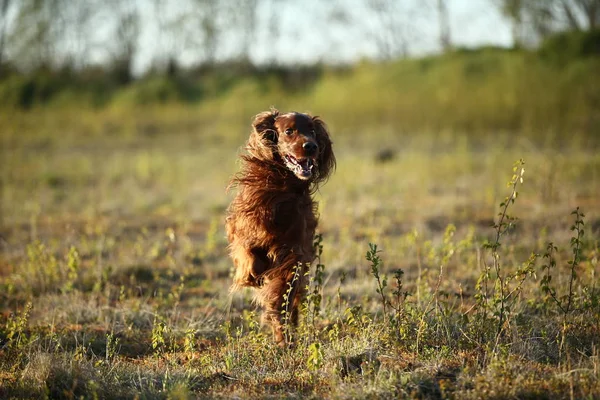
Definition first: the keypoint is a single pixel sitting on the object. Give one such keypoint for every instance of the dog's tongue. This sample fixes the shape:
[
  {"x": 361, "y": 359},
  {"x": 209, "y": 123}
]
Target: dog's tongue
[{"x": 306, "y": 166}]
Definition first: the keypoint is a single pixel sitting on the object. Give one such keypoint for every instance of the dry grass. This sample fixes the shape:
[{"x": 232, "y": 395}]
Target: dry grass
[{"x": 116, "y": 241}]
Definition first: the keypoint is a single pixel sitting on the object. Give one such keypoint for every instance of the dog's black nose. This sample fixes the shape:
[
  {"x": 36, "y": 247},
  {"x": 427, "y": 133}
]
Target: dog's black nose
[{"x": 310, "y": 148}]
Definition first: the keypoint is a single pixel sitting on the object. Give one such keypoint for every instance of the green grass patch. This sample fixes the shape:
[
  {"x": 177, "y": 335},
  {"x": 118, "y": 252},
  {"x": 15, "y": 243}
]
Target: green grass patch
[{"x": 114, "y": 272}]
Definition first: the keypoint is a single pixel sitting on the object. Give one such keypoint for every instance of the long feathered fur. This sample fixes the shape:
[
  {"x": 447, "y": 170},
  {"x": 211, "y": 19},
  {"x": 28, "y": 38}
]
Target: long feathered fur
[{"x": 272, "y": 220}]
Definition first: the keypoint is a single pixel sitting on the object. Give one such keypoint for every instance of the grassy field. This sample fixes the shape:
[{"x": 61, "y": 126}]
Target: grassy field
[{"x": 114, "y": 272}]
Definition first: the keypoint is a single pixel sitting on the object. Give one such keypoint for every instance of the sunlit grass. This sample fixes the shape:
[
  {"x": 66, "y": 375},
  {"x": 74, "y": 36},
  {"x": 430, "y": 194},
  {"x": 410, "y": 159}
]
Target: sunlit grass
[{"x": 145, "y": 308}]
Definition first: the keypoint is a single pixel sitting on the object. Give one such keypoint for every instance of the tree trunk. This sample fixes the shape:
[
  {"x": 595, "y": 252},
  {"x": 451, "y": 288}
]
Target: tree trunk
[
  {"x": 570, "y": 16},
  {"x": 444, "y": 21},
  {"x": 4, "y": 20}
]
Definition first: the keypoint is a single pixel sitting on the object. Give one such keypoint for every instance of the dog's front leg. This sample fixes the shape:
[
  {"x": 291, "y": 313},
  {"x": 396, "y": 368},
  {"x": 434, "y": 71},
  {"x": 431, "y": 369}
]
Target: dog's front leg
[
  {"x": 250, "y": 264},
  {"x": 281, "y": 295}
]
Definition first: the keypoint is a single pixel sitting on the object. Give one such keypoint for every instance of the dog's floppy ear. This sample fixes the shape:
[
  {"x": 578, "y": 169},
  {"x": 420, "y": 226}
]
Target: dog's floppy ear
[
  {"x": 264, "y": 135},
  {"x": 326, "y": 160},
  {"x": 265, "y": 122}
]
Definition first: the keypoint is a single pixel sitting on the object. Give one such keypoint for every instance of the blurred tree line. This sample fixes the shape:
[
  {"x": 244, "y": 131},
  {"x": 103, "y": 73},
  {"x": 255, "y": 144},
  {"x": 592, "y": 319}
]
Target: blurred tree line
[
  {"x": 115, "y": 34},
  {"x": 533, "y": 20},
  {"x": 65, "y": 34},
  {"x": 99, "y": 46}
]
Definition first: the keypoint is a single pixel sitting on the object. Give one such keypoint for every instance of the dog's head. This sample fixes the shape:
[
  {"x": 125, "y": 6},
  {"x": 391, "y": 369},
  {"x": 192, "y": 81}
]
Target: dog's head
[{"x": 298, "y": 141}]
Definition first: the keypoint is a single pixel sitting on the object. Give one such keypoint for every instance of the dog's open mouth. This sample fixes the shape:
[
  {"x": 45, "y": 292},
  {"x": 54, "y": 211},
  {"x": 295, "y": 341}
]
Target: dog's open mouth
[{"x": 302, "y": 167}]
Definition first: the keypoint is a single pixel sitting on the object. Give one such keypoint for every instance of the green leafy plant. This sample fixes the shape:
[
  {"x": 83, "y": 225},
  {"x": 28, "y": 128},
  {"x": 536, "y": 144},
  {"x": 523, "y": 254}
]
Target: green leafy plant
[
  {"x": 499, "y": 295},
  {"x": 376, "y": 264},
  {"x": 42, "y": 271},
  {"x": 566, "y": 302},
  {"x": 399, "y": 294},
  {"x": 288, "y": 299},
  {"x": 16, "y": 325},
  {"x": 112, "y": 346},
  {"x": 73, "y": 264},
  {"x": 160, "y": 331},
  {"x": 314, "y": 296},
  {"x": 189, "y": 342},
  {"x": 442, "y": 257},
  {"x": 315, "y": 357}
]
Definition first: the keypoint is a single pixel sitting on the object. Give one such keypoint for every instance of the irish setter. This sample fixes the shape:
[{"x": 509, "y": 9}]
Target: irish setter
[{"x": 272, "y": 220}]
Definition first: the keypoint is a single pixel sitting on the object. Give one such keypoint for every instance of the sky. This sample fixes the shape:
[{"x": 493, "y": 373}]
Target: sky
[
  {"x": 303, "y": 27},
  {"x": 285, "y": 31},
  {"x": 477, "y": 22}
]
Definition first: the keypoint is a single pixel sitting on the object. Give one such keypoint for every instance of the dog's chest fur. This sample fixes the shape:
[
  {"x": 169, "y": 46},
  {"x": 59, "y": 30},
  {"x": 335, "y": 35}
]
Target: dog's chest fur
[{"x": 293, "y": 214}]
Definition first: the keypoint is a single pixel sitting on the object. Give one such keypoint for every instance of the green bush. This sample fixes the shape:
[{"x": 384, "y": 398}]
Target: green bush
[
  {"x": 548, "y": 92},
  {"x": 565, "y": 47},
  {"x": 158, "y": 90}
]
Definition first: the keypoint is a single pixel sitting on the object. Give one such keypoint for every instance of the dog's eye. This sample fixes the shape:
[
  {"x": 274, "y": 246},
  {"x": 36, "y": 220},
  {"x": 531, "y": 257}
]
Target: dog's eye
[
  {"x": 312, "y": 132},
  {"x": 289, "y": 131}
]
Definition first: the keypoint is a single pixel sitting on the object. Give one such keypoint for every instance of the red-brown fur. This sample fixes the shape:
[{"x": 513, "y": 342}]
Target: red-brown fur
[{"x": 272, "y": 220}]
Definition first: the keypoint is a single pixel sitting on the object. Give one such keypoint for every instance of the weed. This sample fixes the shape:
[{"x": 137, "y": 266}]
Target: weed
[
  {"x": 126, "y": 273},
  {"x": 112, "y": 346},
  {"x": 564, "y": 303},
  {"x": 16, "y": 325},
  {"x": 288, "y": 299},
  {"x": 376, "y": 265},
  {"x": 73, "y": 263},
  {"x": 499, "y": 298},
  {"x": 577, "y": 227},
  {"x": 41, "y": 270},
  {"x": 339, "y": 295},
  {"x": 160, "y": 331},
  {"x": 399, "y": 294},
  {"x": 314, "y": 297},
  {"x": 189, "y": 342},
  {"x": 210, "y": 243},
  {"x": 315, "y": 357}
]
